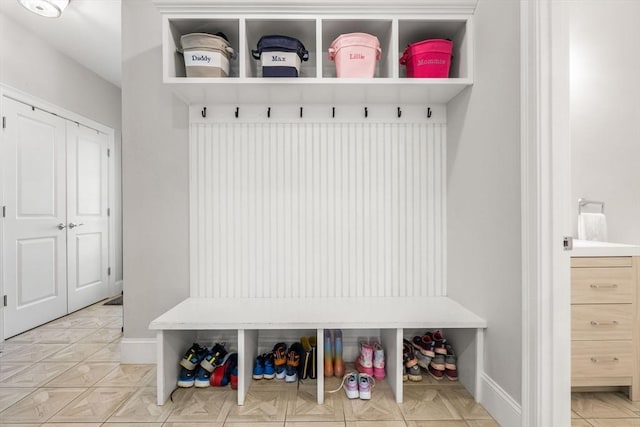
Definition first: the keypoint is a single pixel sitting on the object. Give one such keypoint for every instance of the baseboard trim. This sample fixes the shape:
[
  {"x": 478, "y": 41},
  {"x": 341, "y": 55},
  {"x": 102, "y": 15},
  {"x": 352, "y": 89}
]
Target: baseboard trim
[
  {"x": 502, "y": 407},
  {"x": 138, "y": 351}
]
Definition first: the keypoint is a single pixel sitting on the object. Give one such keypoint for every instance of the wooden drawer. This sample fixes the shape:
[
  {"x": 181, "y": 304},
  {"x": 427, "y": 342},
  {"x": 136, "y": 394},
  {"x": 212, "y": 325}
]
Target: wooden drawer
[
  {"x": 601, "y": 322},
  {"x": 601, "y": 359},
  {"x": 602, "y": 261},
  {"x": 602, "y": 285}
]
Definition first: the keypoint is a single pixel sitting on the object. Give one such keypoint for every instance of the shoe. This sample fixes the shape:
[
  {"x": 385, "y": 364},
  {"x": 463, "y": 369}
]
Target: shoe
[
  {"x": 309, "y": 344},
  {"x": 424, "y": 345},
  {"x": 186, "y": 378},
  {"x": 350, "y": 385},
  {"x": 439, "y": 343},
  {"x": 294, "y": 355},
  {"x": 411, "y": 367},
  {"x": 234, "y": 378},
  {"x": 280, "y": 359},
  {"x": 450, "y": 364},
  {"x": 364, "y": 362},
  {"x": 221, "y": 375},
  {"x": 192, "y": 357},
  {"x": 328, "y": 353},
  {"x": 365, "y": 385},
  {"x": 213, "y": 357},
  {"x": 423, "y": 361},
  {"x": 258, "y": 368},
  {"x": 269, "y": 368},
  {"x": 435, "y": 373},
  {"x": 438, "y": 362},
  {"x": 338, "y": 362},
  {"x": 202, "y": 377},
  {"x": 378, "y": 361}
]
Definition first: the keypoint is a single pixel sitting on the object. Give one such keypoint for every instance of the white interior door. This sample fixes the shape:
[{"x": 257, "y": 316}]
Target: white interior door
[
  {"x": 87, "y": 221},
  {"x": 34, "y": 252}
]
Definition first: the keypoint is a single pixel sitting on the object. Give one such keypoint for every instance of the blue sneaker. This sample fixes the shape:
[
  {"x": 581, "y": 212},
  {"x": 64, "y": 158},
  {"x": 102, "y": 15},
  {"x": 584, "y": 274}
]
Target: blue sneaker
[
  {"x": 213, "y": 357},
  {"x": 192, "y": 357},
  {"x": 269, "y": 369},
  {"x": 202, "y": 377},
  {"x": 258, "y": 367},
  {"x": 186, "y": 378}
]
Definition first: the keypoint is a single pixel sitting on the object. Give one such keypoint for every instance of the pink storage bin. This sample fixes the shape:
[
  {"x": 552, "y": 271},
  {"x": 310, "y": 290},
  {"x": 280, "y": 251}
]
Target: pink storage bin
[
  {"x": 428, "y": 58},
  {"x": 355, "y": 54}
]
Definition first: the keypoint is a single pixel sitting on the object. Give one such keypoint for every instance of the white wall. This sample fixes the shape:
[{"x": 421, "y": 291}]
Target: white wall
[
  {"x": 29, "y": 64},
  {"x": 605, "y": 111},
  {"x": 483, "y": 192},
  {"x": 155, "y": 163}
]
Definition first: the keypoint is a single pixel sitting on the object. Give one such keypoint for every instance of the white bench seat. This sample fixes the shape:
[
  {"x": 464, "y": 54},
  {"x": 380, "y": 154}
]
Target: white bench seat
[{"x": 176, "y": 328}]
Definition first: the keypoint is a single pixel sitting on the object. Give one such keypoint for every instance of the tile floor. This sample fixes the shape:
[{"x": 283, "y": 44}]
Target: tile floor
[{"x": 77, "y": 380}]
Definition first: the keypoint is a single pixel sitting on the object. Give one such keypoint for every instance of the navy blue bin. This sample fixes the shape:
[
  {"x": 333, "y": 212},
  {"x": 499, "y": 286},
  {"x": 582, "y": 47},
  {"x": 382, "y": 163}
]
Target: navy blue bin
[{"x": 281, "y": 56}]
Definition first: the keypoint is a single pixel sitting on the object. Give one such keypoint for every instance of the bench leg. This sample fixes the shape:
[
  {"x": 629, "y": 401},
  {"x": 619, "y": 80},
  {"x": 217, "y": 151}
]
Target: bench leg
[
  {"x": 170, "y": 346},
  {"x": 479, "y": 363},
  {"x": 391, "y": 340},
  {"x": 247, "y": 351}
]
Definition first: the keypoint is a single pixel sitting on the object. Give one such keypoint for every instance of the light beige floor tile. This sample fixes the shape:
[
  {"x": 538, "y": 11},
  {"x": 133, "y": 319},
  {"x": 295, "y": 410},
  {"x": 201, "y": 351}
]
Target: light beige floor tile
[
  {"x": 376, "y": 424},
  {"x": 205, "y": 405},
  {"x": 303, "y": 406},
  {"x": 17, "y": 352},
  {"x": 574, "y": 415},
  {"x": 261, "y": 406},
  {"x": 381, "y": 407},
  {"x": 75, "y": 352},
  {"x": 71, "y": 425},
  {"x": 104, "y": 335},
  {"x": 428, "y": 403},
  {"x": 579, "y": 422},
  {"x": 614, "y": 422},
  {"x": 482, "y": 423},
  {"x": 256, "y": 424},
  {"x": 9, "y": 396},
  {"x": 94, "y": 405},
  {"x": 193, "y": 424},
  {"x": 141, "y": 407},
  {"x": 78, "y": 323},
  {"x": 37, "y": 375},
  {"x": 20, "y": 424},
  {"x": 59, "y": 336},
  {"x": 316, "y": 424},
  {"x": 465, "y": 404},
  {"x": 40, "y": 405},
  {"x": 600, "y": 405},
  {"x": 440, "y": 423},
  {"x": 108, "y": 353},
  {"x": 109, "y": 424},
  {"x": 8, "y": 369},
  {"x": 127, "y": 376},
  {"x": 106, "y": 311},
  {"x": 84, "y": 374}
]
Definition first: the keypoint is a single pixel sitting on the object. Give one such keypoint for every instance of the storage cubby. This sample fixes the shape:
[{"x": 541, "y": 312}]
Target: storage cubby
[
  {"x": 382, "y": 29},
  {"x": 174, "y": 60},
  {"x": 415, "y": 30},
  {"x": 301, "y": 29}
]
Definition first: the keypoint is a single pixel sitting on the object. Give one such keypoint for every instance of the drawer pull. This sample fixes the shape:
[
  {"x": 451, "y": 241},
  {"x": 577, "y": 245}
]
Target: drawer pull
[
  {"x": 603, "y": 323},
  {"x": 604, "y": 285},
  {"x": 612, "y": 360}
]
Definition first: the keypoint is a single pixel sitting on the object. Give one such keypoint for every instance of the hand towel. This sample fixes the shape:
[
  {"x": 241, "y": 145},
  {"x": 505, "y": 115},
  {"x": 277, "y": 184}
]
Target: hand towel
[{"x": 592, "y": 226}]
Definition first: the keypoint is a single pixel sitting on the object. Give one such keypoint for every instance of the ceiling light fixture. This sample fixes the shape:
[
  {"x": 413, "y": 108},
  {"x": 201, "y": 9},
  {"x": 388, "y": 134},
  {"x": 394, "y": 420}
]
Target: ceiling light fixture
[{"x": 48, "y": 8}]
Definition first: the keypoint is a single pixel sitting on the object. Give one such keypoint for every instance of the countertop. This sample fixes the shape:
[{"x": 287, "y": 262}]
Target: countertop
[{"x": 588, "y": 248}]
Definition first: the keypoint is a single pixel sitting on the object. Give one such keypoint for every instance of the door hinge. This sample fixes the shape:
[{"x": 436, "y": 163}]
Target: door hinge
[
  {"x": 567, "y": 243},
  {"x": 108, "y": 152},
  {"x": 109, "y": 271},
  {"x": 4, "y": 301},
  {"x": 4, "y": 122},
  {"x": 108, "y": 211},
  {"x": 4, "y": 212}
]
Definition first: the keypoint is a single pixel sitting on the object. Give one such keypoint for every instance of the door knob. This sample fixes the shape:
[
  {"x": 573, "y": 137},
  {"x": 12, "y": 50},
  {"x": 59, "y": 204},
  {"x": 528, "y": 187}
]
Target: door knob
[
  {"x": 61, "y": 226},
  {"x": 72, "y": 225}
]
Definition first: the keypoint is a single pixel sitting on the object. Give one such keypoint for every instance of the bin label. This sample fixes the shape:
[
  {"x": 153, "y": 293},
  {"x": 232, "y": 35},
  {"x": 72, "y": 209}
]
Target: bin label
[
  {"x": 206, "y": 58},
  {"x": 280, "y": 59}
]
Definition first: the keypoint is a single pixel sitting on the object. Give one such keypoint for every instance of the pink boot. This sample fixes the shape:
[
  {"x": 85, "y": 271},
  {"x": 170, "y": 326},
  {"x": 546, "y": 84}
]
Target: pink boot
[
  {"x": 364, "y": 362},
  {"x": 378, "y": 361}
]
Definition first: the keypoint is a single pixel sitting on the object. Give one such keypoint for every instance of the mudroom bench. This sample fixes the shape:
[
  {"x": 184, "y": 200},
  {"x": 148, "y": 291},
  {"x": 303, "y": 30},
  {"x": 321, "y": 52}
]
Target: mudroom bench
[{"x": 178, "y": 328}]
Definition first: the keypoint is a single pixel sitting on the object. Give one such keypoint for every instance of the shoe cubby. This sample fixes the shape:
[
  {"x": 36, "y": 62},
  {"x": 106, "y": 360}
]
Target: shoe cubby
[
  {"x": 301, "y": 29},
  {"x": 381, "y": 28},
  {"x": 415, "y": 30},
  {"x": 176, "y": 28}
]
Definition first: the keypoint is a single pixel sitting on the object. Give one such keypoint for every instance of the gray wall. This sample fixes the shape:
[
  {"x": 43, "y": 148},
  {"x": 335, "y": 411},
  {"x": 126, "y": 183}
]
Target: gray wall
[
  {"x": 155, "y": 176},
  {"x": 29, "y": 64},
  {"x": 483, "y": 192},
  {"x": 605, "y": 112}
]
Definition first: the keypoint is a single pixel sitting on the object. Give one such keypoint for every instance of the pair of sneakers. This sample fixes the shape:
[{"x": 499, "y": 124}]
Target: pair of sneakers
[
  {"x": 198, "y": 363},
  {"x": 357, "y": 385},
  {"x": 370, "y": 361},
  {"x": 264, "y": 367},
  {"x": 287, "y": 362}
]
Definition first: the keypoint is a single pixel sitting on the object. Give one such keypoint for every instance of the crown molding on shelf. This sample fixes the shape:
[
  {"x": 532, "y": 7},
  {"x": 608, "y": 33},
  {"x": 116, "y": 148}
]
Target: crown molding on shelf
[{"x": 361, "y": 7}]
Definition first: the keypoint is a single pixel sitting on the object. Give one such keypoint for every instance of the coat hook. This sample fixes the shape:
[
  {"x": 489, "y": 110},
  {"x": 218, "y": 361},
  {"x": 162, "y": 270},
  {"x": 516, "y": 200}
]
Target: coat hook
[
  {"x": 428, "y": 112},
  {"x": 399, "y": 112},
  {"x": 204, "y": 112},
  {"x": 237, "y": 111},
  {"x": 300, "y": 112},
  {"x": 366, "y": 112},
  {"x": 333, "y": 112},
  {"x": 269, "y": 112}
]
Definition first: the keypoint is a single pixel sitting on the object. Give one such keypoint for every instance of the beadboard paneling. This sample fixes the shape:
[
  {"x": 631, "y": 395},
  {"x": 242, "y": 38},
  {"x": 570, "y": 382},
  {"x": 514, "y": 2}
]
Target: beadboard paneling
[{"x": 308, "y": 210}]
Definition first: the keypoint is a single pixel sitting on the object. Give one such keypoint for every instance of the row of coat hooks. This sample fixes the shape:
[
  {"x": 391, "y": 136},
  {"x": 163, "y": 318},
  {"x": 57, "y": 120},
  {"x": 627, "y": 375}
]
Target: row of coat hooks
[{"x": 333, "y": 112}]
